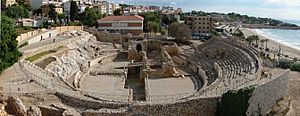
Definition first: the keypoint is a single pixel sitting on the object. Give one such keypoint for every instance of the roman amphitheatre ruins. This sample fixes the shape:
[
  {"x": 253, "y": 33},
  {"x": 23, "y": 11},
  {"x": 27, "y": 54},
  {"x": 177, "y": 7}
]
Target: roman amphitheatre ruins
[{"x": 83, "y": 75}]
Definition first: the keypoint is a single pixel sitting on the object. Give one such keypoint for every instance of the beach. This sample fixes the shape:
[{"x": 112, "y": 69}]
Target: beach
[{"x": 273, "y": 44}]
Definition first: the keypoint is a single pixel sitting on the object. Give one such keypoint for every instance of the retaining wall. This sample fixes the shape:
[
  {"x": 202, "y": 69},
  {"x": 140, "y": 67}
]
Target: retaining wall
[
  {"x": 24, "y": 36},
  {"x": 202, "y": 106},
  {"x": 37, "y": 35},
  {"x": 266, "y": 95},
  {"x": 42, "y": 36}
]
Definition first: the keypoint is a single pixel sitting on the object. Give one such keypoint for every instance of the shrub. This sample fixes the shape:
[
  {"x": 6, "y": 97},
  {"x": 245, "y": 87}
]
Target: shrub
[
  {"x": 74, "y": 24},
  {"x": 295, "y": 67},
  {"x": 285, "y": 63},
  {"x": 234, "y": 103},
  {"x": 163, "y": 32}
]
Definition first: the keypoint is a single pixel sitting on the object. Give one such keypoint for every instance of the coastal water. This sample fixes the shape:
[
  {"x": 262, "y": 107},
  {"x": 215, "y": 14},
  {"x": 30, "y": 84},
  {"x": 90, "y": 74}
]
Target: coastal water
[{"x": 287, "y": 37}]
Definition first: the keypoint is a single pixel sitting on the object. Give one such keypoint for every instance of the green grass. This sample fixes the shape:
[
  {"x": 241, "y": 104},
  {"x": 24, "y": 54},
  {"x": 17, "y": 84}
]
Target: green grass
[
  {"x": 39, "y": 55},
  {"x": 22, "y": 30}
]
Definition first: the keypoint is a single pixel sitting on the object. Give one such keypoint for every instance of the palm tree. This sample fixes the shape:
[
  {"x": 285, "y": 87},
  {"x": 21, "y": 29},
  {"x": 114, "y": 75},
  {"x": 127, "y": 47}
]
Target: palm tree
[
  {"x": 267, "y": 43},
  {"x": 262, "y": 41}
]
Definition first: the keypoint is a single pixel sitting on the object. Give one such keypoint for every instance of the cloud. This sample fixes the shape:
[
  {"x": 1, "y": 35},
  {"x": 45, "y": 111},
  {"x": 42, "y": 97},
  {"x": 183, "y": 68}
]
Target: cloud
[
  {"x": 173, "y": 3},
  {"x": 284, "y": 2}
]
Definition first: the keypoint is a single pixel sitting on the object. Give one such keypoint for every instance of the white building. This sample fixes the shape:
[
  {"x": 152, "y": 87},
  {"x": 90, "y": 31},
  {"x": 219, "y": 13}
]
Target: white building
[
  {"x": 35, "y": 4},
  {"x": 28, "y": 23},
  {"x": 9, "y": 3}
]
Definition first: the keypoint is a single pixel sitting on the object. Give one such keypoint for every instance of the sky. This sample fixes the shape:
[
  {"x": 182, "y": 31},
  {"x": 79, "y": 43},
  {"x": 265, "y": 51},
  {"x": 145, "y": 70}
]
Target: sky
[{"x": 278, "y": 9}]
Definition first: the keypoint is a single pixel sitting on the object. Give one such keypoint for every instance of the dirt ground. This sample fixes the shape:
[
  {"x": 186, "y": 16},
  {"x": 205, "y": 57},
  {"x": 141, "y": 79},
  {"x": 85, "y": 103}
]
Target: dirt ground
[{"x": 294, "y": 90}]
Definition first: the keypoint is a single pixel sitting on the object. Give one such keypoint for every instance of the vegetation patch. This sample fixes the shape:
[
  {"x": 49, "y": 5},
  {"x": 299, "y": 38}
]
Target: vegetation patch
[
  {"x": 235, "y": 103},
  {"x": 45, "y": 62},
  {"x": 23, "y": 44},
  {"x": 39, "y": 55},
  {"x": 289, "y": 64},
  {"x": 9, "y": 53}
]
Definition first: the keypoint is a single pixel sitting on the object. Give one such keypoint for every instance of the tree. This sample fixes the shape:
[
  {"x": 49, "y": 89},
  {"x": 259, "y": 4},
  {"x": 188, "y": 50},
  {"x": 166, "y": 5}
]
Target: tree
[
  {"x": 253, "y": 38},
  {"x": 9, "y": 53},
  {"x": 168, "y": 20},
  {"x": 16, "y": 12},
  {"x": 262, "y": 41},
  {"x": 152, "y": 19},
  {"x": 266, "y": 44},
  {"x": 23, "y": 4},
  {"x": 238, "y": 33},
  {"x": 180, "y": 31},
  {"x": 153, "y": 27},
  {"x": 104, "y": 15},
  {"x": 3, "y": 3},
  {"x": 52, "y": 13},
  {"x": 61, "y": 17},
  {"x": 73, "y": 10},
  {"x": 89, "y": 16},
  {"x": 117, "y": 12},
  {"x": 37, "y": 11}
]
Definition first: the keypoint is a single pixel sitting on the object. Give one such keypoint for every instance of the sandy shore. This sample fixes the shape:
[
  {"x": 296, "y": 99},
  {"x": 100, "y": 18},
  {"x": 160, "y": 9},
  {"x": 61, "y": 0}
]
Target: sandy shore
[{"x": 273, "y": 45}]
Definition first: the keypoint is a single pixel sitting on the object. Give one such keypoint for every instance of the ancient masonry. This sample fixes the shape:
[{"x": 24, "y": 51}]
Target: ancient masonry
[{"x": 145, "y": 77}]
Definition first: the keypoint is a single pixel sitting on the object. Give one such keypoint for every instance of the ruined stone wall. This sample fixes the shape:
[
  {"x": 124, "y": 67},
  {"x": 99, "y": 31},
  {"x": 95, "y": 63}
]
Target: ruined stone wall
[
  {"x": 31, "y": 52},
  {"x": 172, "y": 50},
  {"x": 103, "y": 59},
  {"x": 201, "y": 106},
  {"x": 266, "y": 96}
]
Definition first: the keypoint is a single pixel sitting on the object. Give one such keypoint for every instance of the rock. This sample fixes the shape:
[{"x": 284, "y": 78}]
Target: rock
[
  {"x": 2, "y": 110},
  {"x": 34, "y": 111},
  {"x": 17, "y": 106},
  {"x": 70, "y": 112}
]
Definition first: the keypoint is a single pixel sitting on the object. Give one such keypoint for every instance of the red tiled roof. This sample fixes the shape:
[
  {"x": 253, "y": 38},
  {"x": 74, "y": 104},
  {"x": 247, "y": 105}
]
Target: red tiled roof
[{"x": 122, "y": 18}]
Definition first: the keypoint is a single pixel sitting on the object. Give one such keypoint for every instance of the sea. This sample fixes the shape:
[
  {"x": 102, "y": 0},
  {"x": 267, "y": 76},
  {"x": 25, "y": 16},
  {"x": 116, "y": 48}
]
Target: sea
[{"x": 288, "y": 37}]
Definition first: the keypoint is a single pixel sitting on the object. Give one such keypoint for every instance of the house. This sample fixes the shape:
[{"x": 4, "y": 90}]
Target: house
[
  {"x": 59, "y": 10},
  {"x": 9, "y": 3},
  {"x": 35, "y": 4},
  {"x": 122, "y": 24},
  {"x": 28, "y": 23}
]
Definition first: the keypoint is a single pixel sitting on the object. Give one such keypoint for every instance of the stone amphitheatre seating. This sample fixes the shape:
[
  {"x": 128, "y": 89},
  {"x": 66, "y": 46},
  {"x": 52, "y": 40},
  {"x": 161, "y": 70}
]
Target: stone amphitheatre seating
[{"x": 238, "y": 62}]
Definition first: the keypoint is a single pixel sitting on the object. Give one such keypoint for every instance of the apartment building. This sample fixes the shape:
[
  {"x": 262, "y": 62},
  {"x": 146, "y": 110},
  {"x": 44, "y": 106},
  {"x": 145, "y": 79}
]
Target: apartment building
[
  {"x": 106, "y": 7},
  {"x": 200, "y": 24},
  {"x": 122, "y": 24}
]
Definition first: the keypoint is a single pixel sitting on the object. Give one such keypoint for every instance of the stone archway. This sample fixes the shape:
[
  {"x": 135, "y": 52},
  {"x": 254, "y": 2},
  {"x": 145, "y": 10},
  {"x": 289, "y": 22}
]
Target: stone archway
[{"x": 139, "y": 47}]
